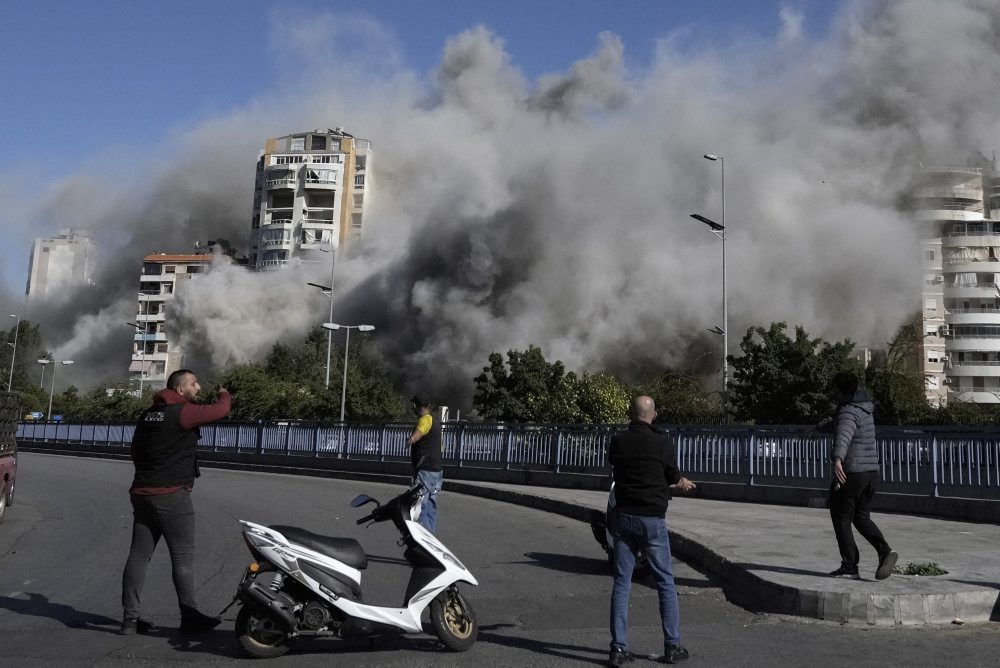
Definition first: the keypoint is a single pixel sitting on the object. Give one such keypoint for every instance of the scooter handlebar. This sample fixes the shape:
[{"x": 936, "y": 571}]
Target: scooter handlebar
[{"x": 366, "y": 518}]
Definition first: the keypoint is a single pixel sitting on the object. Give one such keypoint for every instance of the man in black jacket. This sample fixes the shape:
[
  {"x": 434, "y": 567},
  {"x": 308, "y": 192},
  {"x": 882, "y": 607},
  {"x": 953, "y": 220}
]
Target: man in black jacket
[
  {"x": 644, "y": 466},
  {"x": 166, "y": 464}
]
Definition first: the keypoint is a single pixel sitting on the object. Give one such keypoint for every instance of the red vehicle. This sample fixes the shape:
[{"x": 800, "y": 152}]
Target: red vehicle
[{"x": 8, "y": 450}]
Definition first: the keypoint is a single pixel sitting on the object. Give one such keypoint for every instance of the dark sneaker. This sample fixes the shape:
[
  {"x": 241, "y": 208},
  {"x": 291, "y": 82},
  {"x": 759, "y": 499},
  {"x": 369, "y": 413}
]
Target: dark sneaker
[
  {"x": 619, "y": 657},
  {"x": 845, "y": 572},
  {"x": 132, "y": 626},
  {"x": 197, "y": 622},
  {"x": 885, "y": 565},
  {"x": 675, "y": 654}
]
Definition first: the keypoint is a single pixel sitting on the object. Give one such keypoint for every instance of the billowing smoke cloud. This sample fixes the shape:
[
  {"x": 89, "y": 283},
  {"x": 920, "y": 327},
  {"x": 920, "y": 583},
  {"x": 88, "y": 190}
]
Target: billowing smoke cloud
[{"x": 556, "y": 212}]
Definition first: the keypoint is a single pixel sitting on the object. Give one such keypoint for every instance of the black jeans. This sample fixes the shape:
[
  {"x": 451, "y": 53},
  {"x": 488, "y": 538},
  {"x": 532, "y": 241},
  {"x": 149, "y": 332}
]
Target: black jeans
[
  {"x": 851, "y": 504},
  {"x": 172, "y": 517}
]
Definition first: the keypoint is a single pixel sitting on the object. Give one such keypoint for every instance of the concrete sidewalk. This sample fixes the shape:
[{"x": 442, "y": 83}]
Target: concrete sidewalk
[{"x": 776, "y": 558}]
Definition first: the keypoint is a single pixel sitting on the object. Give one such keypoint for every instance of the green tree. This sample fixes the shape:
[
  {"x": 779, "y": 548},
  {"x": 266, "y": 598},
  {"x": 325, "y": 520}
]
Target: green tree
[
  {"x": 781, "y": 380},
  {"x": 603, "y": 399},
  {"x": 29, "y": 349},
  {"x": 898, "y": 391},
  {"x": 680, "y": 397},
  {"x": 526, "y": 389},
  {"x": 291, "y": 384},
  {"x": 104, "y": 405}
]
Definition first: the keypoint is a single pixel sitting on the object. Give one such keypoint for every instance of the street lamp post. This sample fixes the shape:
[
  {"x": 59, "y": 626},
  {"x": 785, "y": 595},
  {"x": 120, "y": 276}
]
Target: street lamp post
[
  {"x": 330, "y": 327},
  {"x": 13, "y": 354},
  {"x": 41, "y": 381},
  {"x": 142, "y": 363},
  {"x": 720, "y": 231},
  {"x": 328, "y": 289},
  {"x": 52, "y": 387}
]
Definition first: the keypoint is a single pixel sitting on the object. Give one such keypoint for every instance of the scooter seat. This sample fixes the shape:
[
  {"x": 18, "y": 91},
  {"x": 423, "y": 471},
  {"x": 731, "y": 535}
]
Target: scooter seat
[{"x": 346, "y": 550}]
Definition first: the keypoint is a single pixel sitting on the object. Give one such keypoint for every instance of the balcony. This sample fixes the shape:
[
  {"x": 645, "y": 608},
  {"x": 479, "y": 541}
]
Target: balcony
[
  {"x": 276, "y": 242},
  {"x": 322, "y": 179},
  {"x": 281, "y": 179},
  {"x": 983, "y": 316},
  {"x": 981, "y": 368},
  {"x": 967, "y": 266},
  {"x": 974, "y": 395},
  {"x": 948, "y": 214},
  {"x": 271, "y": 264},
  {"x": 980, "y": 291},
  {"x": 950, "y": 192},
  {"x": 971, "y": 344},
  {"x": 278, "y": 223}
]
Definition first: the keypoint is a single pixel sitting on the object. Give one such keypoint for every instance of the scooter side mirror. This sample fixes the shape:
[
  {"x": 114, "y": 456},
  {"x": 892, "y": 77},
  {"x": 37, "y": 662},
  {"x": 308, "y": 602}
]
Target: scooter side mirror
[{"x": 362, "y": 499}]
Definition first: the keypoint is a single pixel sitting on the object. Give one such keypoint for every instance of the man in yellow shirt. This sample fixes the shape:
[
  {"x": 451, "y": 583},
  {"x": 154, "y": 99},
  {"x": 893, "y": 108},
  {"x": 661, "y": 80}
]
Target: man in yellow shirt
[{"x": 425, "y": 456}]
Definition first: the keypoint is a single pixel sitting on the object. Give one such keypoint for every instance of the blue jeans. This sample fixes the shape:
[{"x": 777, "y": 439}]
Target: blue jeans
[
  {"x": 432, "y": 481},
  {"x": 630, "y": 534}
]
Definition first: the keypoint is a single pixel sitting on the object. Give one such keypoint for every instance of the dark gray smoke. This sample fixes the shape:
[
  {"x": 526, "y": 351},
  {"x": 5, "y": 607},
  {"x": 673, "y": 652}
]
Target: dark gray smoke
[{"x": 556, "y": 212}]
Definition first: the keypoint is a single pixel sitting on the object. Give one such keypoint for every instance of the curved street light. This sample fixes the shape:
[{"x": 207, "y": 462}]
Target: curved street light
[
  {"x": 719, "y": 230},
  {"x": 52, "y": 387},
  {"x": 328, "y": 290},
  {"x": 43, "y": 362},
  {"x": 13, "y": 354},
  {"x": 331, "y": 327}
]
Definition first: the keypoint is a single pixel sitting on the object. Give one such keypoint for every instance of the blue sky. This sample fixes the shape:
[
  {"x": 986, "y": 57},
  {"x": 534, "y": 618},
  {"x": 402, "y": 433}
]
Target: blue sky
[{"x": 82, "y": 77}]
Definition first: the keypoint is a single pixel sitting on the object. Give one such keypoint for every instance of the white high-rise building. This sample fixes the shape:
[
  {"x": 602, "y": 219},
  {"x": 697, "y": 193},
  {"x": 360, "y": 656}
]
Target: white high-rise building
[
  {"x": 60, "y": 263},
  {"x": 154, "y": 355},
  {"x": 959, "y": 208},
  {"x": 311, "y": 193}
]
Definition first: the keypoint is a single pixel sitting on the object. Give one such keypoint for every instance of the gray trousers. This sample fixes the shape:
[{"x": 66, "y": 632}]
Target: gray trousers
[{"x": 172, "y": 517}]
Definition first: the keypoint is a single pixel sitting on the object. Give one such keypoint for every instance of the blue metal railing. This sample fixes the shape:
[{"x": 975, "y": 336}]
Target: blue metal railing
[{"x": 914, "y": 460}]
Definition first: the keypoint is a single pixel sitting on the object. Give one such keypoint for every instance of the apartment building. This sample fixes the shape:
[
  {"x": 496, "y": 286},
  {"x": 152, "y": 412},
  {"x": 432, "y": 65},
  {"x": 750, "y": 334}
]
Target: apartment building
[
  {"x": 310, "y": 194},
  {"x": 60, "y": 263},
  {"x": 154, "y": 355},
  {"x": 958, "y": 208}
]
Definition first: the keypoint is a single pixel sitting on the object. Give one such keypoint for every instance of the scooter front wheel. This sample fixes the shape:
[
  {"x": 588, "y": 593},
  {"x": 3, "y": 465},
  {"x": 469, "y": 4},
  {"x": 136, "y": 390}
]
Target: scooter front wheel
[
  {"x": 454, "y": 620},
  {"x": 259, "y": 636}
]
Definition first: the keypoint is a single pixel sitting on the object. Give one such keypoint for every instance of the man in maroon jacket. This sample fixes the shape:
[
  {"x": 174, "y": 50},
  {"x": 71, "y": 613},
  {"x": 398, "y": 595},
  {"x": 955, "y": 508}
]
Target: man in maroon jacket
[{"x": 166, "y": 464}]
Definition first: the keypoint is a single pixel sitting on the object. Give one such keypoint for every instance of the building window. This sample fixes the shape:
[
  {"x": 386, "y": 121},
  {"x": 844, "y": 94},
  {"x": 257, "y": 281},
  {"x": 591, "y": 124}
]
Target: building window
[
  {"x": 359, "y": 163},
  {"x": 318, "y": 143},
  {"x": 298, "y": 144},
  {"x": 931, "y": 305},
  {"x": 169, "y": 269},
  {"x": 359, "y": 180},
  {"x": 195, "y": 269},
  {"x": 929, "y": 255}
]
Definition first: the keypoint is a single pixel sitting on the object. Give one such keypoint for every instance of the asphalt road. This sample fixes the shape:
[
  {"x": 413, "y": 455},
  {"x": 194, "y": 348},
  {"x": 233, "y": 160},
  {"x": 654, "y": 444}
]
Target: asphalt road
[{"x": 542, "y": 600}]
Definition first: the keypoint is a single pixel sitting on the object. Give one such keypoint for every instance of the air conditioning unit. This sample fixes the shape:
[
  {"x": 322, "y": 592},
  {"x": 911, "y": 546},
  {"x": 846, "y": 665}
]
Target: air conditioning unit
[
  {"x": 939, "y": 279},
  {"x": 945, "y": 359},
  {"x": 947, "y": 381},
  {"x": 944, "y": 330}
]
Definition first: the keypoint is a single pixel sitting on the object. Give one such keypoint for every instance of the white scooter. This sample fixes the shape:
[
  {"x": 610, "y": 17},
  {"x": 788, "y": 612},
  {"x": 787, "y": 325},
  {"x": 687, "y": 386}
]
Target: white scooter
[{"x": 304, "y": 585}]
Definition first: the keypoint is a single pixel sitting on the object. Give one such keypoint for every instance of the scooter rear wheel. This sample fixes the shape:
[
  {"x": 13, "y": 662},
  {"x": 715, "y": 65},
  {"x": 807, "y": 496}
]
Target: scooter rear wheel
[
  {"x": 259, "y": 636},
  {"x": 454, "y": 620}
]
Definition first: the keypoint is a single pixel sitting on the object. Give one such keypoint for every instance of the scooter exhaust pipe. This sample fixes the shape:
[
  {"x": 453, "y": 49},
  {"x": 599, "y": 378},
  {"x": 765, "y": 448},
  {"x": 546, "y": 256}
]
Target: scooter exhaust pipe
[{"x": 273, "y": 606}]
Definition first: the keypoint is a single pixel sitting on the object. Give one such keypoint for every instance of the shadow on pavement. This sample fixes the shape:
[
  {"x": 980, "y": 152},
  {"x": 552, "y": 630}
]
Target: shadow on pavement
[
  {"x": 568, "y": 563},
  {"x": 39, "y": 605},
  {"x": 783, "y": 569},
  {"x": 573, "y": 652}
]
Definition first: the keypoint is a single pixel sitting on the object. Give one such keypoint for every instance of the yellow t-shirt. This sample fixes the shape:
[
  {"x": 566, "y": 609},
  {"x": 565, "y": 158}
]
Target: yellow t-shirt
[{"x": 424, "y": 424}]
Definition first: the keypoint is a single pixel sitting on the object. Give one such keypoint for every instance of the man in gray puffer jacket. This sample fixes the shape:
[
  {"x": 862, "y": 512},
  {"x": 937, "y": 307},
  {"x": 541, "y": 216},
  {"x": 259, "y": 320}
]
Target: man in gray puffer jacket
[{"x": 855, "y": 479}]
